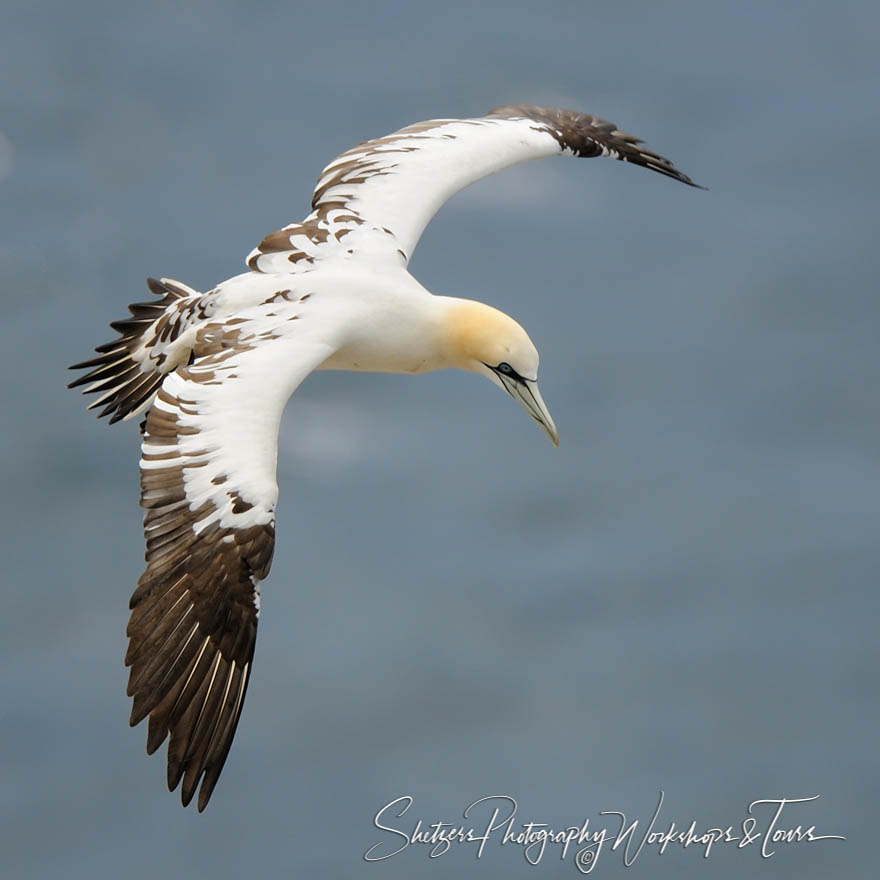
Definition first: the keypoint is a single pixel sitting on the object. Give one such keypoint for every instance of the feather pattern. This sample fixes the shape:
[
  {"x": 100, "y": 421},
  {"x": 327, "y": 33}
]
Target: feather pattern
[{"x": 128, "y": 371}]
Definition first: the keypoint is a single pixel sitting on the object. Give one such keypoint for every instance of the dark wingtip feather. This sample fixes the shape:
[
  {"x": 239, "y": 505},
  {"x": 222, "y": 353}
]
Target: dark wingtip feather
[
  {"x": 127, "y": 383},
  {"x": 587, "y": 136}
]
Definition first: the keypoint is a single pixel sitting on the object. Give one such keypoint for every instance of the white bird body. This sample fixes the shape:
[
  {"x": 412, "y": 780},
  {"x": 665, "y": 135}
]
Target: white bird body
[
  {"x": 214, "y": 370},
  {"x": 392, "y": 323}
]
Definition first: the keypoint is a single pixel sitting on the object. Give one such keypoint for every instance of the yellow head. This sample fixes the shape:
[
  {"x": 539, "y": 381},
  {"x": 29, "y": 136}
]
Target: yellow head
[{"x": 483, "y": 340}]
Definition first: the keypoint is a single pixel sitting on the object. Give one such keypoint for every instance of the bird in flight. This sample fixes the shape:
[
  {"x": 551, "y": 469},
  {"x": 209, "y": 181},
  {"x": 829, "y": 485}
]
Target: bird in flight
[{"x": 214, "y": 371}]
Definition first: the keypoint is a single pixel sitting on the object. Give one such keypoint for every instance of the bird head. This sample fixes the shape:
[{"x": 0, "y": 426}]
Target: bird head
[{"x": 483, "y": 340}]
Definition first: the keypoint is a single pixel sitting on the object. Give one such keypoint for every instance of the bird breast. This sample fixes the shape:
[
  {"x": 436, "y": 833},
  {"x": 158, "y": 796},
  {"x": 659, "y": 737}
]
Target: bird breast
[{"x": 390, "y": 333}]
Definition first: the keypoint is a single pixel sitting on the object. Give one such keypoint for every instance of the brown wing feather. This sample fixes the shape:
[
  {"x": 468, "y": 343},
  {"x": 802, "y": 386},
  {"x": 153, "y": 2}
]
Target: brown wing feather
[
  {"x": 587, "y": 136},
  {"x": 128, "y": 371},
  {"x": 193, "y": 618}
]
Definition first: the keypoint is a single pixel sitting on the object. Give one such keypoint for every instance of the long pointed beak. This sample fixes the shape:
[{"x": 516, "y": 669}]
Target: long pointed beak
[{"x": 528, "y": 395}]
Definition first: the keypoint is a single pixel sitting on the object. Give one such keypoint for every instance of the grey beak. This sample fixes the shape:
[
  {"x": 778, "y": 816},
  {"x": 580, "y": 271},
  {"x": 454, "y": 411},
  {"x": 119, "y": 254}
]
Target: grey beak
[{"x": 527, "y": 393}]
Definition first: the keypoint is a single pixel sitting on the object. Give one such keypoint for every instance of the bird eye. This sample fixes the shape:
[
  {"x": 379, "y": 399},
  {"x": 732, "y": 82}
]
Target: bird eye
[{"x": 505, "y": 367}]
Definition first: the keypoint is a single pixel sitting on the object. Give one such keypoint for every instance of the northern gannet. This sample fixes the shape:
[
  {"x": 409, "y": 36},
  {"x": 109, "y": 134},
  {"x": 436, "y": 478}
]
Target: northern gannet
[{"x": 215, "y": 370}]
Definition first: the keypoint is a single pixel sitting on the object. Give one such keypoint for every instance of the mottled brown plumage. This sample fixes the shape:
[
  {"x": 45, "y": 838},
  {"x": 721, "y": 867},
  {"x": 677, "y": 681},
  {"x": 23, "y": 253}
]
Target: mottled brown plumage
[{"x": 125, "y": 374}]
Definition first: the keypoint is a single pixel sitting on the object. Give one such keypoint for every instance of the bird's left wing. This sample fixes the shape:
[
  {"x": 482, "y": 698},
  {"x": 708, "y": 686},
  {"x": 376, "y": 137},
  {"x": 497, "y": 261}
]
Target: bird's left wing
[
  {"x": 208, "y": 486},
  {"x": 375, "y": 200}
]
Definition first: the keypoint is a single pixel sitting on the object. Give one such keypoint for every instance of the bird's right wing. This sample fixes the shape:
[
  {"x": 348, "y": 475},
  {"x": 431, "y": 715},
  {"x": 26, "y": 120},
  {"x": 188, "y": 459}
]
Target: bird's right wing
[
  {"x": 208, "y": 486},
  {"x": 374, "y": 201}
]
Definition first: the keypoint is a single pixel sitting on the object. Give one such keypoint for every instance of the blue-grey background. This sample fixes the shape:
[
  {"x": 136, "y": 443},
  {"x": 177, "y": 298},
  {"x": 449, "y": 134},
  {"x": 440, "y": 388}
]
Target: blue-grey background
[{"x": 682, "y": 597}]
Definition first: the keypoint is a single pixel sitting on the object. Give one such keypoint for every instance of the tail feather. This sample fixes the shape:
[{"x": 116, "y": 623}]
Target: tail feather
[{"x": 129, "y": 370}]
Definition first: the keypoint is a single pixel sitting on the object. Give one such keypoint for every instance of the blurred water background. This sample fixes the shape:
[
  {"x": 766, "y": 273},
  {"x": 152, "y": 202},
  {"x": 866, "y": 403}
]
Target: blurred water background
[{"x": 681, "y": 598}]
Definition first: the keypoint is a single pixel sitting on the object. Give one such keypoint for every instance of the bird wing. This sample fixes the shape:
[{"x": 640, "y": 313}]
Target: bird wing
[
  {"x": 208, "y": 486},
  {"x": 376, "y": 199}
]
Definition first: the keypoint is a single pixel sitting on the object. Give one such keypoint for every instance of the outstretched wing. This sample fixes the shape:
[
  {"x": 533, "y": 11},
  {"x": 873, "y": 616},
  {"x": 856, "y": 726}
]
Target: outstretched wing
[
  {"x": 208, "y": 486},
  {"x": 377, "y": 198}
]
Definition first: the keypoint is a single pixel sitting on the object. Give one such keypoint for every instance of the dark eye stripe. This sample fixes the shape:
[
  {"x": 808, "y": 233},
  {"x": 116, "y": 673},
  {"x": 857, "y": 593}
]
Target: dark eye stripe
[{"x": 504, "y": 369}]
